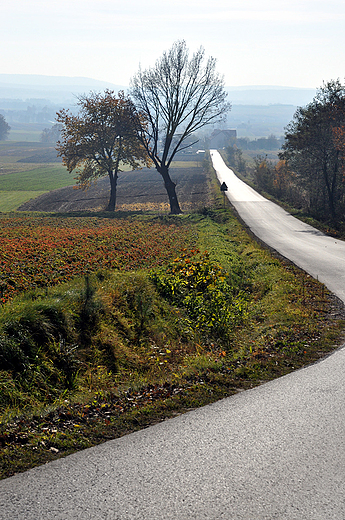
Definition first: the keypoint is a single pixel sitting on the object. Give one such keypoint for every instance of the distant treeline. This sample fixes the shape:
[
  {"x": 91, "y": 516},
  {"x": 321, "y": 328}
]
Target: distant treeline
[
  {"x": 32, "y": 114},
  {"x": 262, "y": 143},
  {"x": 30, "y": 111}
]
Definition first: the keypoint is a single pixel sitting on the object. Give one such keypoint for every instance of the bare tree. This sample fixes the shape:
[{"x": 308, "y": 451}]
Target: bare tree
[{"x": 177, "y": 96}]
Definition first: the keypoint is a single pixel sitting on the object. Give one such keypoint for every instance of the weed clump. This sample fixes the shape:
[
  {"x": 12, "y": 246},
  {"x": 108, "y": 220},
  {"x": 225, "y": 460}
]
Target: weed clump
[{"x": 214, "y": 305}]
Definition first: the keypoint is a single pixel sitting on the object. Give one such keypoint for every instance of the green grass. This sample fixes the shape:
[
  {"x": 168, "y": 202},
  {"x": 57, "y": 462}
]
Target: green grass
[
  {"x": 43, "y": 178},
  {"x": 186, "y": 164},
  {"x": 100, "y": 357},
  {"x": 26, "y": 132},
  {"x": 11, "y": 200},
  {"x": 21, "y": 181}
]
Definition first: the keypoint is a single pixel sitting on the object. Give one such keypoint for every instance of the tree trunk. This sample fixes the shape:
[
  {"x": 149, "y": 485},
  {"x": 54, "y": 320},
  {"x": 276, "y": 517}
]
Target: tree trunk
[
  {"x": 113, "y": 186},
  {"x": 330, "y": 192},
  {"x": 171, "y": 191}
]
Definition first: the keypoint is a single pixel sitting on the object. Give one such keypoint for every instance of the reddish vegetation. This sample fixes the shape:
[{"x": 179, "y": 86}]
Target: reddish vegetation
[{"x": 43, "y": 251}]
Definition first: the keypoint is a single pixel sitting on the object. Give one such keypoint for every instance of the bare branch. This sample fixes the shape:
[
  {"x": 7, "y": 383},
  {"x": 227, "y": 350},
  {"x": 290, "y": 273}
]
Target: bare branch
[{"x": 178, "y": 96}]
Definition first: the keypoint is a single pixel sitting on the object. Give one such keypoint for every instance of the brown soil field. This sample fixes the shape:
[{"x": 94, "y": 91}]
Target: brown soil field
[{"x": 137, "y": 190}]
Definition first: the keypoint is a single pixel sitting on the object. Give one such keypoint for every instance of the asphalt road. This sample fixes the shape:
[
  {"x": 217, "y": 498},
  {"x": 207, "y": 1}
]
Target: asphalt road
[
  {"x": 274, "y": 452},
  {"x": 321, "y": 256}
]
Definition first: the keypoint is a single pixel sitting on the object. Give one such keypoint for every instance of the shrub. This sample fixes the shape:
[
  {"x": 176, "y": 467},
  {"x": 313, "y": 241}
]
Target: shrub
[{"x": 204, "y": 289}]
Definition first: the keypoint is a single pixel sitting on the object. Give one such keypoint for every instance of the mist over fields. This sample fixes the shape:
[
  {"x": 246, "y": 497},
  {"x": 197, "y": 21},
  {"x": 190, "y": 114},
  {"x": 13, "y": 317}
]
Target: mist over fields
[{"x": 257, "y": 111}]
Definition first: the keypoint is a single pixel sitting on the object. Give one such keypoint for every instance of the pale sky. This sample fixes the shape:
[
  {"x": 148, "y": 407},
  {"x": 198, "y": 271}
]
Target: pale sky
[{"x": 297, "y": 43}]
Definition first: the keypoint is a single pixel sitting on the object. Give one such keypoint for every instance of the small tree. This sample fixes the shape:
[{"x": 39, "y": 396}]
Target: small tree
[
  {"x": 178, "y": 96},
  {"x": 263, "y": 173},
  {"x": 51, "y": 135},
  {"x": 4, "y": 128},
  {"x": 235, "y": 158},
  {"x": 101, "y": 138},
  {"x": 282, "y": 179}
]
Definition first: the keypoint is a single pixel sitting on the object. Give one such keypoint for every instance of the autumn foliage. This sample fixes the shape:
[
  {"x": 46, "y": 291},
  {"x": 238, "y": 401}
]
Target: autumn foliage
[
  {"x": 101, "y": 138},
  {"x": 314, "y": 151},
  {"x": 45, "y": 251}
]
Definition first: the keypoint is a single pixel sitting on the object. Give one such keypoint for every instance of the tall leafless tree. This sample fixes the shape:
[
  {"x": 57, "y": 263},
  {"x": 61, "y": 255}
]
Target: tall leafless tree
[{"x": 178, "y": 96}]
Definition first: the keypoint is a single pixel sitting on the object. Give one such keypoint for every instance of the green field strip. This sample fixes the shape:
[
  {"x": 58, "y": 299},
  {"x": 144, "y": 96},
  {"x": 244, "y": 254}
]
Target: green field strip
[
  {"x": 11, "y": 200},
  {"x": 46, "y": 178},
  {"x": 186, "y": 164}
]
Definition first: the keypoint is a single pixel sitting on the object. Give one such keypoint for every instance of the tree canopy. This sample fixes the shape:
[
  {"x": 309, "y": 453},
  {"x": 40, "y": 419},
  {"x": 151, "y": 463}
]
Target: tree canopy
[
  {"x": 314, "y": 150},
  {"x": 178, "y": 96},
  {"x": 4, "y": 128},
  {"x": 101, "y": 138}
]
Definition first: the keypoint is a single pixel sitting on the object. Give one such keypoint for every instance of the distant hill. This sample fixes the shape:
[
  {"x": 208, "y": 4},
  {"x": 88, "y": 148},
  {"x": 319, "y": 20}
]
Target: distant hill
[
  {"x": 257, "y": 111},
  {"x": 63, "y": 88},
  {"x": 255, "y": 121},
  {"x": 56, "y": 89},
  {"x": 270, "y": 95}
]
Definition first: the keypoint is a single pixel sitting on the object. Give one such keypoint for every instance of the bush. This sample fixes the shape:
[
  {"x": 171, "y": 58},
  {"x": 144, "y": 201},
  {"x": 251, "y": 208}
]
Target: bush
[{"x": 204, "y": 289}]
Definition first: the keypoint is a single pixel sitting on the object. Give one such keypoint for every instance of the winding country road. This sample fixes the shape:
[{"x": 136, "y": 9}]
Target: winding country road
[{"x": 276, "y": 452}]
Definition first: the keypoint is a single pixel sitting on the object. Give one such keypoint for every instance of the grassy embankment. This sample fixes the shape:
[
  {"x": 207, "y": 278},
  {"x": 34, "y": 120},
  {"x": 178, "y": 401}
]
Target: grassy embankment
[{"x": 168, "y": 330}]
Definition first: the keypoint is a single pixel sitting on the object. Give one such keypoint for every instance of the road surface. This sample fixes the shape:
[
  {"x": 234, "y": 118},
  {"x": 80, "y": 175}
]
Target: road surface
[
  {"x": 276, "y": 452},
  {"x": 321, "y": 256}
]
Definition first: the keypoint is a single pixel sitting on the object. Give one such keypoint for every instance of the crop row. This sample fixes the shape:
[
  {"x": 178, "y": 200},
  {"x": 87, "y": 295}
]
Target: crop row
[{"x": 40, "y": 251}]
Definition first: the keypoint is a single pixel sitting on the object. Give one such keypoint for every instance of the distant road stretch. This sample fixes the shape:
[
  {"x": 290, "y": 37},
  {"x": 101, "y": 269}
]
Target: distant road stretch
[{"x": 321, "y": 256}]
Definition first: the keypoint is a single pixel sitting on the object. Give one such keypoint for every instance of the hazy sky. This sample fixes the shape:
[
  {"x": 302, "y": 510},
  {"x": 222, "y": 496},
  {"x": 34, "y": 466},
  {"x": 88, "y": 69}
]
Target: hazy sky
[{"x": 298, "y": 43}]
